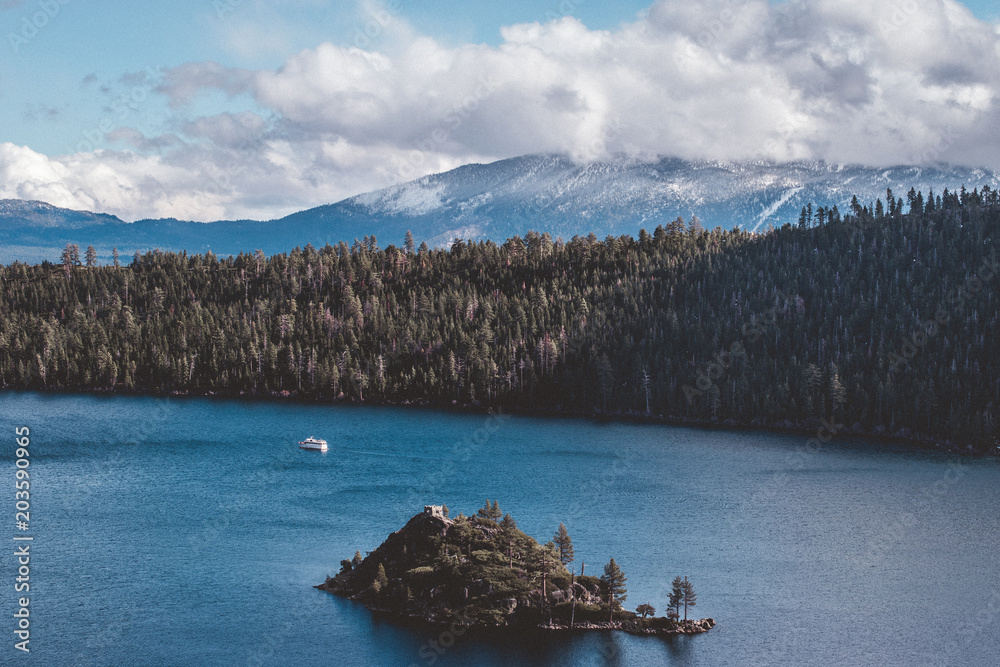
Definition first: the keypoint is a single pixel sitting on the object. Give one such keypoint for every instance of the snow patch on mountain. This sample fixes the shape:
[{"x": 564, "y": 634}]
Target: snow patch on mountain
[
  {"x": 774, "y": 207},
  {"x": 416, "y": 198}
]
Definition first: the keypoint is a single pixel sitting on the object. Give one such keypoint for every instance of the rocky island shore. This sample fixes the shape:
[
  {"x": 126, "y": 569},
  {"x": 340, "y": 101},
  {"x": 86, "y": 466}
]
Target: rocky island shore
[{"x": 481, "y": 571}]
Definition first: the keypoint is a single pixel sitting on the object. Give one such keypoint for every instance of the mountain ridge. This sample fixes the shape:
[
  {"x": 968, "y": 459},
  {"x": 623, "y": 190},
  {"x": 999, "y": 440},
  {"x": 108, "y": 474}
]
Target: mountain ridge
[{"x": 498, "y": 200}]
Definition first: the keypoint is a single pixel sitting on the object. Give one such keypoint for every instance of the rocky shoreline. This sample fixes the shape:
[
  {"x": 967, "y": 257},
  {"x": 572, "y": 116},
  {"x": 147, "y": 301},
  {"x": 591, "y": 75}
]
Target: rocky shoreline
[{"x": 688, "y": 627}]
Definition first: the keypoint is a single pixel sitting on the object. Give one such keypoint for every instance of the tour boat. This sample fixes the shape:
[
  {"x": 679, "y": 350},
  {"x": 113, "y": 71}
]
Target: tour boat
[{"x": 313, "y": 443}]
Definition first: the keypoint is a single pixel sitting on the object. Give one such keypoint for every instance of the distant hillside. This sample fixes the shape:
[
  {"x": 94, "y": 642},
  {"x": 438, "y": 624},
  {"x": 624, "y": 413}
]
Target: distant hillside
[
  {"x": 18, "y": 215},
  {"x": 546, "y": 193},
  {"x": 881, "y": 322}
]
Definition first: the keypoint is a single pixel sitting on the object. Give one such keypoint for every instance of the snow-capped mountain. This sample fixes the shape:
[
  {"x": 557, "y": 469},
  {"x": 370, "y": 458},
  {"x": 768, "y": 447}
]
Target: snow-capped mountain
[
  {"x": 551, "y": 193},
  {"x": 546, "y": 193}
]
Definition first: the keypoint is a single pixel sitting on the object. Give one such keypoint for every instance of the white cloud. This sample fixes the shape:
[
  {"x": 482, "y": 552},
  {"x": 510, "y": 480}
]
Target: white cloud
[{"x": 869, "y": 81}]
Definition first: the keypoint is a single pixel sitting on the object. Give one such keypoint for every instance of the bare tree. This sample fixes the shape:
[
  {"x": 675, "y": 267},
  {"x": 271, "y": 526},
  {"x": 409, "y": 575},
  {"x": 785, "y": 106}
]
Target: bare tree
[{"x": 646, "y": 381}]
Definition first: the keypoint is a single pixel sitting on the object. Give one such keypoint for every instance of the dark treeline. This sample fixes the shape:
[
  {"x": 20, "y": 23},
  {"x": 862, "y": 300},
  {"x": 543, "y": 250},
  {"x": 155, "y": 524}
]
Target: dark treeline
[{"x": 883, "y": 319}]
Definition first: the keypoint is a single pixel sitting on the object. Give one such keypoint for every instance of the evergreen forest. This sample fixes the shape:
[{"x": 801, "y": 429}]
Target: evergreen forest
[{"x": 882, "y": 319}]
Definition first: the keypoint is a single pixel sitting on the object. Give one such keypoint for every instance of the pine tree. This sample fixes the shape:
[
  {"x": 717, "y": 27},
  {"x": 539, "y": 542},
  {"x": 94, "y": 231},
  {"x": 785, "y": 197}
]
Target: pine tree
[
  {"x": 408, "y": 244},
  {"x": 508, "y": 523},
  {"x": 838, "y": 395},
  {"x": 676, "y": 597},
  {"x": 645, "y": 610},
  {"x": 614, "y": 580},
  {"x": 509, "y": 534},
  {"x": 69, "y": 258},
  {"x": 676, "y": 228},
  {"x": 547, "y": 557},
  {"x": 564, "y": 544},
  {"x": 491, "y": 512},
  {"x": 695, "y": 229},
  {"x": 381, "y": 580},
  {"x": 690, "y": 598}
]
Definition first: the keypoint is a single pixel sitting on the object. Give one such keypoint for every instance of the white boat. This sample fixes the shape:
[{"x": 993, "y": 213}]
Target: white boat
[{"x": 313, "y": 443}]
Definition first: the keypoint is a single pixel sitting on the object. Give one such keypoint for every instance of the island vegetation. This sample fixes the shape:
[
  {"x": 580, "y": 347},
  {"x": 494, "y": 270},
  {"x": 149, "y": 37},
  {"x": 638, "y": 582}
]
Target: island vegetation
[
  {"x": 882, "y": 319},
  {"x": 482, "y": 571}
]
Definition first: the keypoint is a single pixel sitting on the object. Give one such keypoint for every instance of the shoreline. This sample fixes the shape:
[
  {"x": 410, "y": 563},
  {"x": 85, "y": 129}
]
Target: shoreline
[
  {"x": 628, "y": 626},
  {"x": 689, "y": 627},
  {"x": 903, "y": 436}
]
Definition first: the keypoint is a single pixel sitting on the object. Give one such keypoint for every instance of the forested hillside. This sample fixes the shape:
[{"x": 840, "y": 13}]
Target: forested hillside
[{"x": 883, "y": 319}]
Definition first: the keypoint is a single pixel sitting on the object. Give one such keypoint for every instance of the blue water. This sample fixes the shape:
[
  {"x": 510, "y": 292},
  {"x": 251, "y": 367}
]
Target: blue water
[{"x": 191, "y": 532}]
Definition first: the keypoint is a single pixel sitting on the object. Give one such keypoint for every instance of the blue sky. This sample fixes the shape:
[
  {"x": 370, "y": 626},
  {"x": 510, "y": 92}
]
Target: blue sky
[
  {"x": 111, "y": 105},
  {"x": 51, "y": 87}
]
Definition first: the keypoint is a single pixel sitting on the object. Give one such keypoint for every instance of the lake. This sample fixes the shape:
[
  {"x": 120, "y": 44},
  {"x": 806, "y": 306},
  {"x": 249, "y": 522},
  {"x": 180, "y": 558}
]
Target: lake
[{"x": 192, "y": 532}]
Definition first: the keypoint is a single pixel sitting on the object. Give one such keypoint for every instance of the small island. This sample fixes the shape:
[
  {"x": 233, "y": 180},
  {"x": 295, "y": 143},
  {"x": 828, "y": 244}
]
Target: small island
[{"x": 481, "y": 571}]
